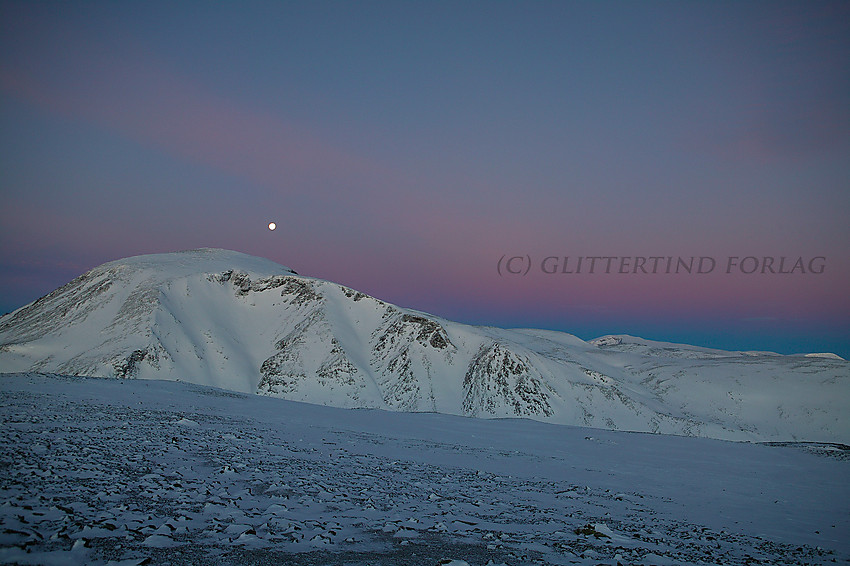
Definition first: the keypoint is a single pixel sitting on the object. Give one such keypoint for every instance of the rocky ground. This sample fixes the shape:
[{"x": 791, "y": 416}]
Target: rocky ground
[{"x": 99, "y": 471}]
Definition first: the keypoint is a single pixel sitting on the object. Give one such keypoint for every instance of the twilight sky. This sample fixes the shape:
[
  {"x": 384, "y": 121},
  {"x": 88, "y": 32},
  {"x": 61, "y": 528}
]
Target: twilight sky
[{"x": 422, "y": 152}]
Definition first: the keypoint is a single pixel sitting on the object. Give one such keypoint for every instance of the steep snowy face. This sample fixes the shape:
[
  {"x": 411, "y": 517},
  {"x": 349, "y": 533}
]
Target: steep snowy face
[
  {"x": 500, "y": 380},
  {"x": 109, "y": 321},
  {"x": 233, "y": 321},
  {"x": 133, "y": 285}
]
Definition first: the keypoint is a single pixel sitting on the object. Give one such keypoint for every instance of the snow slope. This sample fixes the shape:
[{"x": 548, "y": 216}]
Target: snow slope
[
  {"x": 225, "y": 319},
  {"x": 113, "y": 471}
]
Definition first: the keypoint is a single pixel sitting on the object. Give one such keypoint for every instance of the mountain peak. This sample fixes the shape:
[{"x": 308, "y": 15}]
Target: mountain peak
[
  {"x": 189, "y": 262},
  {"x": 234, "y": 321}
]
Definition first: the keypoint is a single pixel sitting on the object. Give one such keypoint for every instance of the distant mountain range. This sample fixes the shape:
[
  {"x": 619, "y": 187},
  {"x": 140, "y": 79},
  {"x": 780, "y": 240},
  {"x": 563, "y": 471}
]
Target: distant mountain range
[{"x": 233, "y": 321}]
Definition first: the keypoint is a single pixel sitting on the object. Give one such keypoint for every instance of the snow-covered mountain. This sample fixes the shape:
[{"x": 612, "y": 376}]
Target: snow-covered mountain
[{"x": 229, "y": 320}]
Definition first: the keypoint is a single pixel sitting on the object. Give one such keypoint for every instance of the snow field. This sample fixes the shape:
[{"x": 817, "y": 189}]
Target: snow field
[{"x": 101, "y": 471}]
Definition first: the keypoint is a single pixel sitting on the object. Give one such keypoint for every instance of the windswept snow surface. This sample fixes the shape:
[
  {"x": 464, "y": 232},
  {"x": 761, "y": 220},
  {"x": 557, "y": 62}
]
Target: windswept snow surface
[
  {"x": 108, "y": 471},
  {"x": 228, "y": 320}
]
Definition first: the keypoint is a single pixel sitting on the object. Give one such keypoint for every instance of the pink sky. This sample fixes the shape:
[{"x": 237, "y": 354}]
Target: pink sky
[{"x": 405, "y": 156}]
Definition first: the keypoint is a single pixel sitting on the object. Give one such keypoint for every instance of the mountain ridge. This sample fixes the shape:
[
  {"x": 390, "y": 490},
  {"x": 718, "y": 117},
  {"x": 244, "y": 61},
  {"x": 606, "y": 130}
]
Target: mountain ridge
[{"x": 230, "y": 320}]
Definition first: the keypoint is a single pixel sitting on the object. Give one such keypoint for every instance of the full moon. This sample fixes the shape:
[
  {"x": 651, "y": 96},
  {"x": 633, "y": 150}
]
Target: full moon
[{"x": 272, "y": 225}]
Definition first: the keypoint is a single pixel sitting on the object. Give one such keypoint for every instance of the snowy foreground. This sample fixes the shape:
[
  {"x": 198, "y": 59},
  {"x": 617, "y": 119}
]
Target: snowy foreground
[{"x": 106, "y": 471}]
